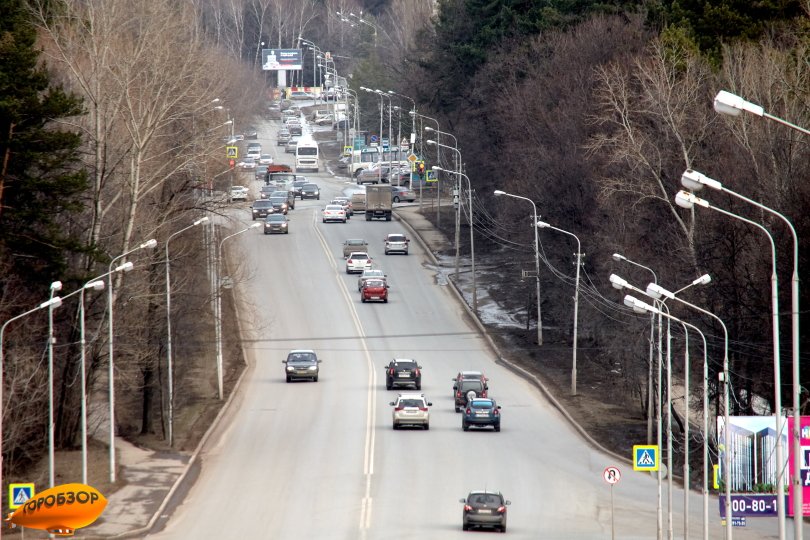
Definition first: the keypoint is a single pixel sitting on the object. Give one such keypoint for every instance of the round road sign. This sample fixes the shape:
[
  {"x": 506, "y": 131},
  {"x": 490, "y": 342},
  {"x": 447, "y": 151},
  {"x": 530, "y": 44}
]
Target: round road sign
[{"x": 612, "y": 475}]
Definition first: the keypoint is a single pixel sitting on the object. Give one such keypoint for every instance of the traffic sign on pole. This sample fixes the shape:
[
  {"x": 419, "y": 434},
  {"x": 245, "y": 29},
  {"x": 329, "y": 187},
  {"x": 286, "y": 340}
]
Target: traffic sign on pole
[
  {"x": 612, "y": 475},
  {"x": 232, "y": 152},
  {"x": 18, "y": 494},
  {"x": 645, "y": 457}
]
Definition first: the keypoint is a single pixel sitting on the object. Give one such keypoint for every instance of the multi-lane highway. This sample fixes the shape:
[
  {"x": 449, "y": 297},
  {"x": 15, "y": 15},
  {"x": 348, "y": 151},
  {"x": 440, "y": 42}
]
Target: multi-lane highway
[{"x": 321, "y": 460}]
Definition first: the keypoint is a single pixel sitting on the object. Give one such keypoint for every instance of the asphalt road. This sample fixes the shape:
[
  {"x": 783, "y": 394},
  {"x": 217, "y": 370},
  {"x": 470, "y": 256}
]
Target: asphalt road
[{"x": 321, "y": 461}]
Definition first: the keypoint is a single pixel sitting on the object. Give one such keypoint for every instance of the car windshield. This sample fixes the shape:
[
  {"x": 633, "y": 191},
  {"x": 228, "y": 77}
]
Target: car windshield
[
  {"x": 276, "y": 218},
  {"x": 267, "y": 189},
  {"x": 334, "y": 208},
  {"x": 355, "y": 242},
  {"x": 301, "y": 357},
  {"x": 406, "y": 365},
  {"x": 310, "y": 187},
  {"x": 278, "y": 193},
  {"x": 359, "y": 256},
  {"x": 411, "y": 403},
  {"x": 466, "y": 386},
  {"x": 373, "y": 273},
  {"x": 262, "y": 204},
  {"x": 396, "y": 238},
  {"x": 299, "y": 183},
  {"x": 375, "y": 283}
]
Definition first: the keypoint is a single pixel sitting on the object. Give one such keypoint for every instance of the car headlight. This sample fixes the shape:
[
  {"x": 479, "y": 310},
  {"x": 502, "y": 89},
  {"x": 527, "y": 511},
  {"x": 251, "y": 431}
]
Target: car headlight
[
  {"x": 284, "y": 206},
  {"x": 312, "y": 368},
  {"x": 283, "y": 224},
  {"x": 290, "y": 368}
]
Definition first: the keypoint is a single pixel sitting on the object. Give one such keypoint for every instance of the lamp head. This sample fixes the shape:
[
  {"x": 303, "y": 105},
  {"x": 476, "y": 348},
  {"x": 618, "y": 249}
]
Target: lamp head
[
  {"x": 542, "y": 225},
  {"x": 618, "y": 282},
  {"x": 430, "y": 141},
  {"x": 203, "y": 219},
  {"x": 657, "y": 291},
  {"x": 428, "y": 128},
  {"x": 56, "y": 286},
  {"x": 733, "y": 105},
  {"x": 687, "y": 200},
  {"x": 126, "y": 267},
  {"x": 619, "y": 257},
  {"x": 412, "y": 113},
  {"x": 637, "y": 305},
  {"x": 215, "y": 100},
  {"x": 95, "y": 285},
  {"x": 498, "y": 192},
  {"x": 705, "y": 279},
  {"x": 149, "y": 244},
  {"x": 694, "y": 181}
]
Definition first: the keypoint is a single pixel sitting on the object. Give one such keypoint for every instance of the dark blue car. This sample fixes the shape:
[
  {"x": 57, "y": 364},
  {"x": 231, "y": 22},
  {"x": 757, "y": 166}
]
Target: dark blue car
[{"x": 481, "y": 412}]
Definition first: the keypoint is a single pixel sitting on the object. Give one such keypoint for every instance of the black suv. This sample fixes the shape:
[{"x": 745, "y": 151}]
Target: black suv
[
  {"x": 403, "y": 372},
  {"x": 468, "y": 389}
]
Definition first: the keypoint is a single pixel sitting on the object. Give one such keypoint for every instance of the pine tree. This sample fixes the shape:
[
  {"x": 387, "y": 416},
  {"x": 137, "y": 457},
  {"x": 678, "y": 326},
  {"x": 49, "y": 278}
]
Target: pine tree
[{"x": 41, "y": 181}]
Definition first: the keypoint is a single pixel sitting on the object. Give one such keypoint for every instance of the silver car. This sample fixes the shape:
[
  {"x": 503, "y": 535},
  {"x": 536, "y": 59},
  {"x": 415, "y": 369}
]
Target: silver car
[
  {"x": 302, "y": 364},
  {"x": 396, "y": 243},
  {"x": 372, "y": 273},
  {"x": 411, "y": 410}
]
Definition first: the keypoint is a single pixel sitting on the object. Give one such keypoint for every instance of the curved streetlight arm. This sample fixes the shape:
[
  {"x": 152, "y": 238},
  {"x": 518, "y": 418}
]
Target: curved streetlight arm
[
  {"x": 733, "y": 105},
  {"x": 620, "y": 257}
]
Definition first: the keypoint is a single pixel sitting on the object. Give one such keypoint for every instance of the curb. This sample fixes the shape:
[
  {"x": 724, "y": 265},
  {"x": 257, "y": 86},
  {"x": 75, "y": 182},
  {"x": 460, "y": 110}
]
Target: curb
[{"x": 509, "y": 365}]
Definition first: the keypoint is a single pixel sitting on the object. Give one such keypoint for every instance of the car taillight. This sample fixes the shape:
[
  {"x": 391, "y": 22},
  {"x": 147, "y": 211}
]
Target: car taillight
[
  {"x": 483, "y": 393},
  {"x": 496, "y": 412},
  {"x": 350, "y": 261},
  {"x": 398, "y": 408},
  {"x": 423, "y": 409},
  {"x": 391, "y": 371},
  {"x": 458, "y": 394},
  {"x": 468, "y": 410},
  {"x": 501, "y": 509},
  {"x": 416, "y": 372},
  {"x": 467, "y": 508}
]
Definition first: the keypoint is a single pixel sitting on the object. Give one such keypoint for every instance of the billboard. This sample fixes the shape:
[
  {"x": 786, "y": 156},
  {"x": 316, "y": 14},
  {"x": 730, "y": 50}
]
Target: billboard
[
  {"x": 804, "y": 441},
  {"x": 281, "y": 59},
  {"x": 752, "y": 457}
]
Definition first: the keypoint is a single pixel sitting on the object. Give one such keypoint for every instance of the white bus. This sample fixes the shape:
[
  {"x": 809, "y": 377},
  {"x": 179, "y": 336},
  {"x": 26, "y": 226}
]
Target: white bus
[{"x": 306, "y": 155}]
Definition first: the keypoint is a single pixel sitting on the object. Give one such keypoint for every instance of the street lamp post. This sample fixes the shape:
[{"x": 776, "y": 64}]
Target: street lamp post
[
  {"x": 96, "y": 286},
  {"x": 498, "y": 192},
  {"x": 544, "y": 225},
  {"x": 689, "y": 200},
  {"x": 472, "y": 236},
  {"x": 369, "y": 90},
  {"x": 619, "y": 258},
  {"x": 169, "y": 360},
  {"x": 53, "y": 301},
  {"x": 643, "y": 307},
  {"x": 218, "y": 321},
  {"x": 438, "y": 160},
  {"x": 56, "y": 286},
  {"x": 151, "y": 243},
  {"x": 657, "y": 292},
  {"x": 413, "y": 110},
  {"x": 457, "y": 159},
  {"x": 730, "y": 104}
]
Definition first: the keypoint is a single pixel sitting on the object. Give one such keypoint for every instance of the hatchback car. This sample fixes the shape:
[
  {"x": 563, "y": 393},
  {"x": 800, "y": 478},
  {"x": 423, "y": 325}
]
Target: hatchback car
[
  {"x": 401, "y": 193},
  {"x": 481, "y": 412},
  {"x": 247, "y": 164},
  {"x": 472, "y": 375},
  {"x": 276, "y": 223},
  {"x": 289, "y": 148},
  {"x": 282, "y": 137},
  {"x": 297, "y": 185},
  {"x": 357, "y": 262},
  {"x": 302, "y": 364},
  {"x": 467, "y": 390},
  {"x": 265, "y": 191},
  {"x": 411, "y": 410},
  {"x": 403, "y": 372},
  {"x": 279, "y": 205},
  {"x": 347, "y": 204},
  {"x": 287, "y": 195},
  {"x": 310, "y": 191},
  {"x": 374, "y": 290},
  {"x": 396, "y": 243},
  {"x": 333, "y": 212},
  {"x": 261, "y": 209},
  {"x": 484, "y": 509},
  {"x": 265, "y": 159},
  {"x": 353, "y": 245},
  {"x": 371, "y": 273},
  {"x": 294, "y": 126},
  {"x": 239, "y": 193}
]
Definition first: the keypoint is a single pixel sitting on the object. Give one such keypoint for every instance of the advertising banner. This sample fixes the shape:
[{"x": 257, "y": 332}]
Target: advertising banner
[
  {"x": 804, "y": 442},
  {"x": 281, "y": 59},
  {"x": 752, "y": 453}
]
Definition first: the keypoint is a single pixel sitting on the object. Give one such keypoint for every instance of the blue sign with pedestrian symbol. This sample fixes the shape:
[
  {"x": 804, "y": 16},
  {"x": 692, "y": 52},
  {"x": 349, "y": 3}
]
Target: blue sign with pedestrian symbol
[
  {"x": 18, "y": 494},
  {"x": 645, "y": 457}
]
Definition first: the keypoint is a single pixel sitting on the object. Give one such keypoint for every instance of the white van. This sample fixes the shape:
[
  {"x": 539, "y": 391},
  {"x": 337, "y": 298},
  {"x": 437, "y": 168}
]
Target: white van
[{"x": 306, "y": 155}]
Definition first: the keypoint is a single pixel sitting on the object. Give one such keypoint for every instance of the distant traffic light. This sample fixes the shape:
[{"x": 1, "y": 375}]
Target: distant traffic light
[{"x": 420, "y": 168}]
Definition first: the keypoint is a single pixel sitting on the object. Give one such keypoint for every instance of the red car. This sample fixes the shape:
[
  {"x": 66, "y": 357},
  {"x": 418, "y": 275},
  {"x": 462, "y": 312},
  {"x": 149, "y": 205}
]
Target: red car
[{"x": 374, "y": 289}]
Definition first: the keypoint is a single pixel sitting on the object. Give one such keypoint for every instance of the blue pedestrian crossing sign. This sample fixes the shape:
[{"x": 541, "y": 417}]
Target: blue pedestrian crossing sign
[
  {"x": 645, "y": 457},
  {"x": 18, "y": 494}
]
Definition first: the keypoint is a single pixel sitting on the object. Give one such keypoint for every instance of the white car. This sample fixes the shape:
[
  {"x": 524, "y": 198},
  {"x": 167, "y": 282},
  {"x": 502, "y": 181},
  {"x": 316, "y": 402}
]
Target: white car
[
  {"x": 396, "y": 243},
  {"x": 247, "y": 163},
  {"x": 374, "y": 273},
  {"x": 358, "y": 262},
  {"x": 265, "y": 159},
  {"x": 411, "y": 410},
  {"x": 334, "y": 212},
  {"x": 239, "y": 193}
]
